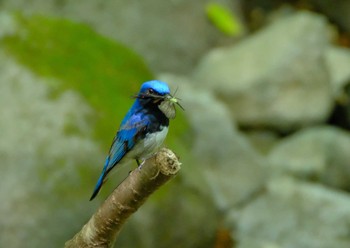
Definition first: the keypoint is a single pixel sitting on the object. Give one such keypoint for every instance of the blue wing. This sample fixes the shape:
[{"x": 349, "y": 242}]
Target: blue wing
[{"x": 131, "y": 131}]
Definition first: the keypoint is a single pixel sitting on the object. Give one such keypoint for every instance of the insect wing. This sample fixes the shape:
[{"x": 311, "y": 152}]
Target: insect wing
[{"x": 168, "y": 108}]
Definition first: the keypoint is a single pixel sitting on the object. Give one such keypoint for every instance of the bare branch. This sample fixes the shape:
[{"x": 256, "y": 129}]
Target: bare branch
[{"x": 104, "y": 226}]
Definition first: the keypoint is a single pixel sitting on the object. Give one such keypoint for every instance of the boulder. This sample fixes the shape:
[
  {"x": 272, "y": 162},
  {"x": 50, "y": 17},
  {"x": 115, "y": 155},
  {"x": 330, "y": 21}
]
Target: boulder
[
  {"x": 315, "y": 154},
  {"x": 338, "y": 63},
  {"x": 291, "y": 213},
  {"x": 276, "y": 78}
]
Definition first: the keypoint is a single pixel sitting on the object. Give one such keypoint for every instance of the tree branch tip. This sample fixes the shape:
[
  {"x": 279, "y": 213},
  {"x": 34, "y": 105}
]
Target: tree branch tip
[{"x": 168, "y": 162}]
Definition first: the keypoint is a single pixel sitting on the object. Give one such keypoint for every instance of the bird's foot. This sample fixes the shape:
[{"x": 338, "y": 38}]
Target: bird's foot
[{"x": 140, "y": 164}]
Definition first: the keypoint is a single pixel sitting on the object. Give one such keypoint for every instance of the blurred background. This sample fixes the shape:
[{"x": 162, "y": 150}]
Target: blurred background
[{"x": 264, "y": 138}]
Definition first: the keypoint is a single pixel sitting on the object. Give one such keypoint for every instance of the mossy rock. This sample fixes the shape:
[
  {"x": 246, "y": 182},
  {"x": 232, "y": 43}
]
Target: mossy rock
[{"x": 105, "y": 72}]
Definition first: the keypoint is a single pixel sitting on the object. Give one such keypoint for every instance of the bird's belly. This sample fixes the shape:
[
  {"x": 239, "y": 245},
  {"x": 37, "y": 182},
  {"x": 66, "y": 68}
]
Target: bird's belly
[{"x": 147, "y": 146}]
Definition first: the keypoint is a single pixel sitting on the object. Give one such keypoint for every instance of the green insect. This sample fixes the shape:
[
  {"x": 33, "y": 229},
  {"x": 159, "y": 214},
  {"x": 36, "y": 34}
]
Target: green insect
[{"x": 168, "y": 106}]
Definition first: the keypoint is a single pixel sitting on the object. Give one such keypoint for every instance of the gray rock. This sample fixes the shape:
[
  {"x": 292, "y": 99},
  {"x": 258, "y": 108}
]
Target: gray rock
[
  {"x": 294, "y": 214},
  {"x": 338, "y": 63},
  {"x": 232, "y": 168},
  {"x": 40, "y": 160},
  {"x": 161, "y": 31},
  {"x": 275, "y": 78},
  {"x": 317, "y": 154}
]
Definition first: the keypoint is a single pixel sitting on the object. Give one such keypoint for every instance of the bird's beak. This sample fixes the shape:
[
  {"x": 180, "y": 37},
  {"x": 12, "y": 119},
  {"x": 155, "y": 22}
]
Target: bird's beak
[{"x": 168, "y": 97}]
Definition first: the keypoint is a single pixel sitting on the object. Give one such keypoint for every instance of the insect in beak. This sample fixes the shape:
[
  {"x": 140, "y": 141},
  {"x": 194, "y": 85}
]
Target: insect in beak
[
  {"x": 173, "y": 100},
  {"x": 167, "y": 106}
]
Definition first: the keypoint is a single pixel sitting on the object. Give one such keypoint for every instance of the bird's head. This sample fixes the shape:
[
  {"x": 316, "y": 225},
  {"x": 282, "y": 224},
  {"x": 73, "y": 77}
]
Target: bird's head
[
  {"x": 157, "y": 94},
  {"x": 155, "y": 89}
]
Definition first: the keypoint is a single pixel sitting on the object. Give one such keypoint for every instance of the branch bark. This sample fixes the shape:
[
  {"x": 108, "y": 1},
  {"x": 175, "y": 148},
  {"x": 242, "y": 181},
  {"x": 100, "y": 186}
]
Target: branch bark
[{"x": 103, "y": 227}]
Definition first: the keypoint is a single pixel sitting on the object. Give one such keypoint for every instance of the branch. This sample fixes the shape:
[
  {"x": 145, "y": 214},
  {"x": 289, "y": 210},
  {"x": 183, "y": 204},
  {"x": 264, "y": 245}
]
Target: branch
[{"x": 103, "y": 227}]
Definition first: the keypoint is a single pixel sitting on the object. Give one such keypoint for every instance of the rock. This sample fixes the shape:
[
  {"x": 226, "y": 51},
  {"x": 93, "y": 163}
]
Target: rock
[
  {"x": 338, "y": 63},
  {"x": 232, "y": 168},
  {"x": 316, "y": 154},
  {"x": 40, "y": 160},
  {"x": 158, "y": 30},
  {"x": 276, "y": 78},
  {"x": 293, "y": 214}
]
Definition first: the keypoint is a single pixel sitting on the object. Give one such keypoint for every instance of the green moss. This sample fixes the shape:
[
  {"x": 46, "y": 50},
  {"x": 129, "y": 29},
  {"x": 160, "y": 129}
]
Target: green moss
[{"x": 103, "y": 71}]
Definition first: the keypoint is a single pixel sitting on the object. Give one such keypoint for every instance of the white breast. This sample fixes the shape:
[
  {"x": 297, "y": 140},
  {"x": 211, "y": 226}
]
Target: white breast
[{"x": 146, "y": 147}]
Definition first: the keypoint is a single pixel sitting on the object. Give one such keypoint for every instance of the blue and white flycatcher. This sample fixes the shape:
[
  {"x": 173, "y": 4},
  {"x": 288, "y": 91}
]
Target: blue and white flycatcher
[{"x": 143, "y": 129}]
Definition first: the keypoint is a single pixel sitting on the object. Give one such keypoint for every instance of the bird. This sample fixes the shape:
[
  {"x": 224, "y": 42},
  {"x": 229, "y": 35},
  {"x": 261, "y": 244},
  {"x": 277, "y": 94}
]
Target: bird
[{"x": 143, "y": 129}]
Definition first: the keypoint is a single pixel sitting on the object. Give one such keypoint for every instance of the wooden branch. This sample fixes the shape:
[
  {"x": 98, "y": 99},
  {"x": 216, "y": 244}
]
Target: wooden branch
[{"x": 103, "y": 227}]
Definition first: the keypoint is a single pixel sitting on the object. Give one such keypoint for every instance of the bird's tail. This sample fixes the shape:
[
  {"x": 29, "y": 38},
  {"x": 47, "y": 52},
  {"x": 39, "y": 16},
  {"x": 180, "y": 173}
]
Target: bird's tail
[{"x": 100, "y": 181}]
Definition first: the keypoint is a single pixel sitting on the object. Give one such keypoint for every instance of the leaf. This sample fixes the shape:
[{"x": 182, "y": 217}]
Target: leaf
[{"x": 223, "y": 19}]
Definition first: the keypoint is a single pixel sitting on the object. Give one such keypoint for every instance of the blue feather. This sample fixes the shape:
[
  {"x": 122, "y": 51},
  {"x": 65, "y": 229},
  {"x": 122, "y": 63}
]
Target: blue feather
[{"x": 100, "y": 180}]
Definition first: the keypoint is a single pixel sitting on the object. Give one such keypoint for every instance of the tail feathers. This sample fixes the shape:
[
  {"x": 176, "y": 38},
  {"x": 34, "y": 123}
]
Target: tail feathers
[
  {"x": 100, "y": 181},
  {"x": 97, "y": 187}
]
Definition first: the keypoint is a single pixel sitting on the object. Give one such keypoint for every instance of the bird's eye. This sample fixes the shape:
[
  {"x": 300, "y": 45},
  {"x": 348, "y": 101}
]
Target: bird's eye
[{"x": 150, "y": 91}]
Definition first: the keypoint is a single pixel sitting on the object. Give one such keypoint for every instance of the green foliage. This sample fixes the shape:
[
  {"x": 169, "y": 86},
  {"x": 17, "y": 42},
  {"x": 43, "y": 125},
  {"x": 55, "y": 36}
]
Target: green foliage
[
  {"x": 103, "y": 71},
  {"x": 223, "y": 19}
]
